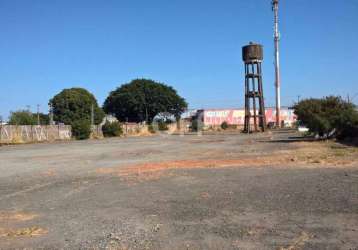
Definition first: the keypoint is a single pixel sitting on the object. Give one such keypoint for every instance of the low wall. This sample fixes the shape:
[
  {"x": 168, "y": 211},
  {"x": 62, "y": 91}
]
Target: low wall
[
  {"x": 96, "y": 132},
  {"x": 129, "y": 129},
  {"x": 179, "y": 127},
  {"x": 28, "y": 133},
  {"x": 134, "y": 129}
]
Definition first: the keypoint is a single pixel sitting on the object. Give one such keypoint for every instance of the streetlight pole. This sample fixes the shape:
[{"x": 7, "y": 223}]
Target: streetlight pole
[{"x": 38, "y": 114}]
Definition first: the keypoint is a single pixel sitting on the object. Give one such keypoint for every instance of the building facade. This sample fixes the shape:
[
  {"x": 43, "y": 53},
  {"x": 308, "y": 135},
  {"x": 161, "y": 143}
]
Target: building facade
[{"x": 215, "y": 117}]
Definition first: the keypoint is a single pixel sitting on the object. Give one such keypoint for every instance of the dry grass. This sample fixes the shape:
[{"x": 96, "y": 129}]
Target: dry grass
[
  {"x": 298, "y": 243},
  {"x": 325, "y": 153},
  {"x": 16, "y": 216},
  {"x": 23, "y": 232}
]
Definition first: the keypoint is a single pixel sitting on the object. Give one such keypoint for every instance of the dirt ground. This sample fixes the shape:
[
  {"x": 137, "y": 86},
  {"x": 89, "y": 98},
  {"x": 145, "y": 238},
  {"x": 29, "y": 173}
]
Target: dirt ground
[{"x": 215, "y": 191}]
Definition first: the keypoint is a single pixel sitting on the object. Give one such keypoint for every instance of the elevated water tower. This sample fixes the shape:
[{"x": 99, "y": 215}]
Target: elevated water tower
[{"x": 255, "y": 119}]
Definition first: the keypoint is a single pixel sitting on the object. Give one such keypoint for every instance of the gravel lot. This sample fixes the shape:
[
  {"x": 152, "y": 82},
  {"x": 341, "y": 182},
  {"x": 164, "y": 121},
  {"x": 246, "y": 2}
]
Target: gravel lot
[{"x": 216, "y": 191}]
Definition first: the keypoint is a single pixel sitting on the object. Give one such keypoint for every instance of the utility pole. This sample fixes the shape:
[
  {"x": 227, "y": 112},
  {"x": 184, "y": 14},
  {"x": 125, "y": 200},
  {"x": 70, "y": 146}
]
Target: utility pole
[
  {"x": 38, "y": 114},
  {"x": 51, "y": 114},
  {"x": 277, "y": 62},
  {"x": 0, "y": 128},
  {"x": 298, "y": 98},
  {"x": 146, "y": 114},
  {"x": 92, "y": 114}
]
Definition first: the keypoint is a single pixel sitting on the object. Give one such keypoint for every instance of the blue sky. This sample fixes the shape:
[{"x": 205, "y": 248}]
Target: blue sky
[{"x": 194, "y": 46}]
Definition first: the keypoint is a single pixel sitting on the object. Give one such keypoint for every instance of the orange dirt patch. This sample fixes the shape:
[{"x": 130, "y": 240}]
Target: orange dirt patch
[
  {"x": 149, "y": 168},
  {"x": 205, "y": 195},
  {"x": 16, "y": 216},
  {"x": 49, "y": 173},
  {"x": 306, "y": 154}
]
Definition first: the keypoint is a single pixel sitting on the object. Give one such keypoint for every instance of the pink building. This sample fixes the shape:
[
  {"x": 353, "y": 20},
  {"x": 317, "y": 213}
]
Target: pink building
[{"x": 215, "y": 117}]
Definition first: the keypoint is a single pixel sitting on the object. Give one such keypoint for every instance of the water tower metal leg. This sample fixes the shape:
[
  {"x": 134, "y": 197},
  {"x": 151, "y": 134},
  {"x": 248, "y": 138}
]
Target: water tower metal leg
[
  {"x": 254, "y": 94},
  {"x": 262, "y": 116}
]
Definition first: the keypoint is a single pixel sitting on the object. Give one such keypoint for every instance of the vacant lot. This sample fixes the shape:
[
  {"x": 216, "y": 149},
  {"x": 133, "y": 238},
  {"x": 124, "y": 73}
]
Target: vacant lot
[{"x": 217, "y": 191}]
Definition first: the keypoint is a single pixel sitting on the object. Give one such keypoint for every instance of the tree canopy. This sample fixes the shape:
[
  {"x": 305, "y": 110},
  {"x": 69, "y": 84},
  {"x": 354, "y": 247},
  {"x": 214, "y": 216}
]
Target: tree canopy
[
  {"x": 22, "y": 117},
  {"x": 328, "y": 116},
  {"x": 75, "y": 104},
  {"x": 142, "y": 99},
  {"x": 25, "y": 117}
]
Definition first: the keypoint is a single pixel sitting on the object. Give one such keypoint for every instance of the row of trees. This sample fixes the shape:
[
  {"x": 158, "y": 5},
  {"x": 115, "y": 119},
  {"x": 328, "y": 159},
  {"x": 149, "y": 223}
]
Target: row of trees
[
  {"x": 328, "y": 117},
  {"x": 137, "y": 101},
  {"x": 25, "y": 117}
]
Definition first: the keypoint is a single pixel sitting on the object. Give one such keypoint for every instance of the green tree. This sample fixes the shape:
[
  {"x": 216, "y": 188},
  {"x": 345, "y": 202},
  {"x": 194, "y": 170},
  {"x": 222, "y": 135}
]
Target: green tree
[
  {"x": 81, "y": 129},
  {"x": 44, "y": 118},
  {"x": 142, "y": 99},
  {"x": 75, "y": 104},
  {"x": 22, "y": 117},
  {"x": 112, "y": 129},
  {"x": 328, "y": 116}
]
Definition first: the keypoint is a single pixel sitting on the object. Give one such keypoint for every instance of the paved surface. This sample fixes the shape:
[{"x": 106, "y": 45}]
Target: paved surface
[{"x": 175, "y": 193}]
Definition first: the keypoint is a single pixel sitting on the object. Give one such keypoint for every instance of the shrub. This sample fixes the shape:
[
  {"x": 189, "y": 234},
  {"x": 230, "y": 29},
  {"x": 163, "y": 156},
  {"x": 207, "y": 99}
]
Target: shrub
[
  {"x": 162, "y": 126},
  {"x": 81, "y": 129},
  {"x": 196, "y": 125},
  {"x": 330, "y": 116},
  {"x": 224, "y": 125},
  {"x": 233, "y": 126},
  {"x": 22, "y": 117},
  {"x": 347, "y": 125},
  {"x": 112, "y": 129},
  {"x": 151, "y": 129}
]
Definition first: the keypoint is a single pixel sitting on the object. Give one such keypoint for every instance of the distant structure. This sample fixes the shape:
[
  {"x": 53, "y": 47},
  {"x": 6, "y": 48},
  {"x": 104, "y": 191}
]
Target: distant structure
[
  {"x": 277, "y": 62},
  {"x": 235, "y": 117},
  {"x": 109, "y": 118},
  {"x": 252, "y": 55}
]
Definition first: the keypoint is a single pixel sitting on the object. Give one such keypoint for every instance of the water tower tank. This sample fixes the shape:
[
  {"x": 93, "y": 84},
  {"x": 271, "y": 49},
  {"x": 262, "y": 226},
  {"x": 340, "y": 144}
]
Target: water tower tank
[{"x": 252, "y": 52}]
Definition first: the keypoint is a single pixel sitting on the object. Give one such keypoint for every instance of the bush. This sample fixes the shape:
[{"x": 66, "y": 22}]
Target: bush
[
  {"x": 224, "y": 125},
  {"x": 162, "y": 126},
  {"x": 196, "y": 125},
  {"x": 233, "y": 126},
  {"x": 347, "y": 125},
  {"x": 112, "y": 129},
  {"x": 328, "y": 117},
  {"x": 22, "y": 117},
  {"x": 151, "y": 129},
  {"x": 81, "y": 129}
]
